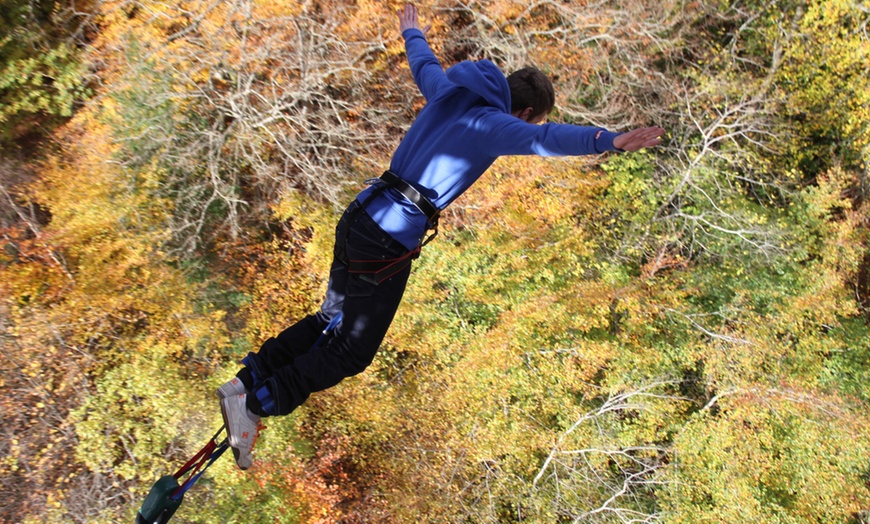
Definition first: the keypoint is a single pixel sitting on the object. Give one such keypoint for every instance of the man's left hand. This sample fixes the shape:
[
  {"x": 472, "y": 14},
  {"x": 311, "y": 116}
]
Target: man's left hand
[{"x": 639, "y": 138}]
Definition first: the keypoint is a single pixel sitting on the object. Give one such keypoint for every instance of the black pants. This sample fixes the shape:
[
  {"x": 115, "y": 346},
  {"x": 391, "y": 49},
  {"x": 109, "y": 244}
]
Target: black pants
[{"x": 288, "y": 366}]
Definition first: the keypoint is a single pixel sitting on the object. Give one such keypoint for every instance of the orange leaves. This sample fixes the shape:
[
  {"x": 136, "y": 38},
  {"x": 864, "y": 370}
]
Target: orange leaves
[
  {"x": 31, "y": 271},
  {"x": 664, "y": 260},
  {"x": 529, "y": 196},
  {"x": 310, "y": 491},
  {"x": 279, "y": 278}
]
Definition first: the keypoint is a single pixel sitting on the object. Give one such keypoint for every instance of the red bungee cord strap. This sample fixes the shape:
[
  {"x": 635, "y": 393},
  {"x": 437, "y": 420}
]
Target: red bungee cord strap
[{"x": 207, "y": 455}]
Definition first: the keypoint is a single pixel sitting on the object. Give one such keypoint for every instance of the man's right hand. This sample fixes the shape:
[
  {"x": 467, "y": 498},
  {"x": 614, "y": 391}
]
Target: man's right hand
[{"x": 408, "y": 19}]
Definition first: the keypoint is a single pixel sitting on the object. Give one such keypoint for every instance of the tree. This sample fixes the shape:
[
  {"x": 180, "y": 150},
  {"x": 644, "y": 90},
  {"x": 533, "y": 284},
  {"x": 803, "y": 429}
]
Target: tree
[
  {"x": 268, "y": 94},
  {"x": 42, "y": 75},
  {"x": 589, "y": 340}
]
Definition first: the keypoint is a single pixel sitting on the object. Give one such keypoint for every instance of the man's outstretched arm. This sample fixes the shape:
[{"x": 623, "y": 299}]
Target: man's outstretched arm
[
  {"x": 428, "y": 73},
  {"x": 509, "y": 135}
]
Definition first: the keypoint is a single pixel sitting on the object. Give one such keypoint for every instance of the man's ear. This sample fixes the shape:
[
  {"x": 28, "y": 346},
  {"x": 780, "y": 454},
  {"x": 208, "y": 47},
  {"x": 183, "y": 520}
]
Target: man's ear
[{"x": 524, "y": 114}]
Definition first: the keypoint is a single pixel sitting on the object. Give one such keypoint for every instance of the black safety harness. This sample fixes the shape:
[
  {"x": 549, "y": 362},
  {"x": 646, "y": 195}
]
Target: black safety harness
[{"x": 380, "y": 270}]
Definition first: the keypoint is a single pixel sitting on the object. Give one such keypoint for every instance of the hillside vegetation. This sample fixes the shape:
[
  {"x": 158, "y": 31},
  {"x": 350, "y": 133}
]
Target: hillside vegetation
[{"x": 677, "y": 335}]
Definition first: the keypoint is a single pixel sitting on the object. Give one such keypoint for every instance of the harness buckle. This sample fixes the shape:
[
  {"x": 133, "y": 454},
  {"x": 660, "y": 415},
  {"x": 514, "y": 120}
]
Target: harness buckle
[{"x": 423, "y": 204}]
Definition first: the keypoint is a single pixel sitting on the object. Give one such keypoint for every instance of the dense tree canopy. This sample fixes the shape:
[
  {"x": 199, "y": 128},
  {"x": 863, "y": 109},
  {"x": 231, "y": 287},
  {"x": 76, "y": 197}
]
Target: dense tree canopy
[{"x": 675, "y": 335}]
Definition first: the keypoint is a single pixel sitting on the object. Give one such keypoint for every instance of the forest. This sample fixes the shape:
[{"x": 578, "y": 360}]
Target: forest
[{"x": 676, "y": 335}]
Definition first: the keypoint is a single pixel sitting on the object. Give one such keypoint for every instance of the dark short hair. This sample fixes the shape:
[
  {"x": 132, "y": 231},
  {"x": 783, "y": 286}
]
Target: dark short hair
[{"x": 531, "y": 88}]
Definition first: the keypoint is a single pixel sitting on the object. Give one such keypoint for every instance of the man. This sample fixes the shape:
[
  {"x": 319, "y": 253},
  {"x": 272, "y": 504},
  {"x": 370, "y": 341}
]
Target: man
[{"x": 473, "y": 115}]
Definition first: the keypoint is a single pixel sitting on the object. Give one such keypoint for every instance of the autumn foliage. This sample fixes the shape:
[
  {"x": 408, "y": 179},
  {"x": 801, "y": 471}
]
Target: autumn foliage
[{"x": 674, "y": 335}]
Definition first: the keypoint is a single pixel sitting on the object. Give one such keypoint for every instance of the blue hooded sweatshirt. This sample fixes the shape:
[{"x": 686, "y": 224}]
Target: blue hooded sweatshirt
[{"x": 465, "y": 125}]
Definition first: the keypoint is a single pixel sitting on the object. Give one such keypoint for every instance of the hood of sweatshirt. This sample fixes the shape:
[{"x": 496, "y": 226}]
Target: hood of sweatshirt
[{"x": 485, "y": 79}]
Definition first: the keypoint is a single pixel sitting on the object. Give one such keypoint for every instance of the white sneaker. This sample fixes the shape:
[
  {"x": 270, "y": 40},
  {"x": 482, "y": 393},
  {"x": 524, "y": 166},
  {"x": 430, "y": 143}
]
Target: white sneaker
[
  {"x": 231, "y": 388},
  {"x": 243, "y": 428}
]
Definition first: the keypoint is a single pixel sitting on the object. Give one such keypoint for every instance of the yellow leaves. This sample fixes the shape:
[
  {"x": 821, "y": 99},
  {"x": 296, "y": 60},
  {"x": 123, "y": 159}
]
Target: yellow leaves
[
  {"x": 93, "y": 291},
  {"x": 33, "y": 282},
  {"x": 769, "y": 450},
  {"x": 275, "y": 9},
  {"x": 837, "y": 97},
  {"x": 302, "y": 213},
  {"x": 281, "y": 277},
  {"x": 140, "y": 409}
]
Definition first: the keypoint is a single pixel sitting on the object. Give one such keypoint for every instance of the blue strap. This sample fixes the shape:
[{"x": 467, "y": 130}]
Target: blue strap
[
  {"x": 266, "y": 401},
  {"x": 219, "y": 450},
  {"x": 251, "y": 364},
  {"x": 336, "y": 320},
  {"x": 332, "y": 323}
]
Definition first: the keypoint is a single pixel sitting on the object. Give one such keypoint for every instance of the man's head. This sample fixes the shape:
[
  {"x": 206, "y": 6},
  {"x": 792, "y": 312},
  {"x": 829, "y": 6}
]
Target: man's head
[{"x": 532, "y": 94}]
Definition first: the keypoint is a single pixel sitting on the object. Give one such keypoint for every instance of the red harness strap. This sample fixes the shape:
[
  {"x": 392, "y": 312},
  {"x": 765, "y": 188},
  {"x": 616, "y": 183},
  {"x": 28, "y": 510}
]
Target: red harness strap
[{"x": 381, "y": 270}]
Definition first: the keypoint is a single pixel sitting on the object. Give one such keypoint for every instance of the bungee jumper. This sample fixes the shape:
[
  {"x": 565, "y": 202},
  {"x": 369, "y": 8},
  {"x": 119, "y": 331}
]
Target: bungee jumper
[{"x": 473, "y": 115}]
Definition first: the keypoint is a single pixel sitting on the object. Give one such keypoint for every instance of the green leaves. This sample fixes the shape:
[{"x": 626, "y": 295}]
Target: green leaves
[
  {"x": 42, "y": 72},
  {"x": 49, "y": 83},
  {"x": 138, "y": 419},
  {"x": 769, "y": 455}
]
